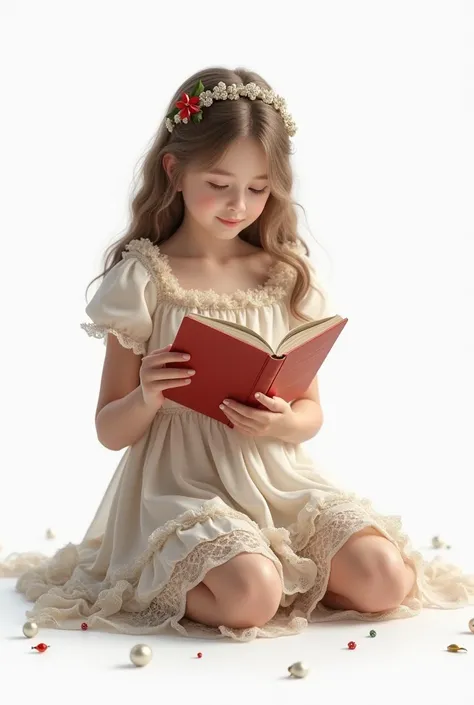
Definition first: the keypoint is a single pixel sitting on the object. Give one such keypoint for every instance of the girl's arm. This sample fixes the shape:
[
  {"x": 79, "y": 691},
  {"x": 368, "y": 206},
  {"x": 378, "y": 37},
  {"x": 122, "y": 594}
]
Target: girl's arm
[
  {"x": 122, "y": 416},
  {"x": 308, "y": 417},
  {"x": 308, "y": 420}
]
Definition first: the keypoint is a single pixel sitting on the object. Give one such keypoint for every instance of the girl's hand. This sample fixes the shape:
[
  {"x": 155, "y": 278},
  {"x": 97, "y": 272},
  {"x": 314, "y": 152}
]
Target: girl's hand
[
  {"x": 277, "y": 422},
  {"x": 154, "y": 377}
]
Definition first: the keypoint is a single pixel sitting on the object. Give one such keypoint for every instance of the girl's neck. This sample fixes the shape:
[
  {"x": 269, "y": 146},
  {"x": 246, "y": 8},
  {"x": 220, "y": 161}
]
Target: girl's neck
[{"x": 205, "y": 246}]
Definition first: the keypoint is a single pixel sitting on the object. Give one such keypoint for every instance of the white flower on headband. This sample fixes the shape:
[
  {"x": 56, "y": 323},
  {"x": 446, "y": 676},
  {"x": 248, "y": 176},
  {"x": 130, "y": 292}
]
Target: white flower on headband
[{"x": 189, "y": 107}]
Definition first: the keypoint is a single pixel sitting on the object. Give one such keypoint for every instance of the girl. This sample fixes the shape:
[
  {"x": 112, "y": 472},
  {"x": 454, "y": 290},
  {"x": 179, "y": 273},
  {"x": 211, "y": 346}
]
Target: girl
[{"x": 205, "y": 527}]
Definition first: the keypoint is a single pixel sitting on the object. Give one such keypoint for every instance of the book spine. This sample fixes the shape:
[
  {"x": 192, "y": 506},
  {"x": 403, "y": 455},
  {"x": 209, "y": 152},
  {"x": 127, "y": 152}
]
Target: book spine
[{"x": 265, "y": 380}]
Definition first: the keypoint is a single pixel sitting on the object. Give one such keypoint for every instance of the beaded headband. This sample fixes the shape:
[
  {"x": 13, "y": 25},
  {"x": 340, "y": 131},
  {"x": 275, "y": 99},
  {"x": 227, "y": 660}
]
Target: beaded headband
[{"x": 190, "y": 106}]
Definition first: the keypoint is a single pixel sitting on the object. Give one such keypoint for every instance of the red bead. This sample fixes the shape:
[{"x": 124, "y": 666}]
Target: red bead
[
  {"x": 351, "y": 645},
  {"x": 40, "y": 647},
  {"x": 199, "y": 655},
  {"x": 84, "y": 627}
]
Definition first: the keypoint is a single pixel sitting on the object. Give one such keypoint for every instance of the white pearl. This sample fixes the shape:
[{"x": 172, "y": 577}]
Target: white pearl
[
  {"x": 140, "y": 655},
  {"x": 299, "y": 669},
  {"x": 471, "y": 625},
  {"x": 30, "y": 629}
]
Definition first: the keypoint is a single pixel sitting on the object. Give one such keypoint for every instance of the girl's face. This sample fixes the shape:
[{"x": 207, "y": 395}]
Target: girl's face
[{"x": 236, "y": 189}]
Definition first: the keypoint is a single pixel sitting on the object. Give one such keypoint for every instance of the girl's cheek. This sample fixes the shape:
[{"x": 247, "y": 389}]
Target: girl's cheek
[
  {"x": 207, "y": 202},
  {"x": 258, "y": 210}
]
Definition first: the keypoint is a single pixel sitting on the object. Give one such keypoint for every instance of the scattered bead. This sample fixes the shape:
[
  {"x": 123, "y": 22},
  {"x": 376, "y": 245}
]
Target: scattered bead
[
  {"x": 455, "y": 647},
  {"x": 84, "y": 626},
  {"x": 141, "y": 655},
  {"x": 298, "y": 669},
  {"x": 40, "y": 647},
  {"x": 437, "y": 542},
  {"x": 351, "y": 645},
  {"x": 372, "y": 633},
  {"x": 471, "y": 625},
  {"x": 50, "y": 534},
  {"x": 30, "y": 629},
  {"x": 199, "y": 655}
]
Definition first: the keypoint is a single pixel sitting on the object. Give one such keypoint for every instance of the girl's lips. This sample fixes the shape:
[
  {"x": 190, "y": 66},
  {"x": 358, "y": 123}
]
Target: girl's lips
[{"x": 229, "y": 222}]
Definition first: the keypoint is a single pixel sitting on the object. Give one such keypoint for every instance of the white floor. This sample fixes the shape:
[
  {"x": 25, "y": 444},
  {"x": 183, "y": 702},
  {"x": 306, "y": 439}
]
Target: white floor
[{"x": 406, "y": 661}]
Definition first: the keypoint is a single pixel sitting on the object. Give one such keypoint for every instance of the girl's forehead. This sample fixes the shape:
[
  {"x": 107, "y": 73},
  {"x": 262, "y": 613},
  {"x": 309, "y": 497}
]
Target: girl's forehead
[{"x": 241, "y": 157}]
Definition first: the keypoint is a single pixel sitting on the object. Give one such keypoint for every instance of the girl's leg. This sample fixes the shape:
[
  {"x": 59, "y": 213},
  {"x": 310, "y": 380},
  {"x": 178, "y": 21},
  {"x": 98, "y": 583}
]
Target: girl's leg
[
  {"x": 368, "y": 574},
  {"x": 244, "y": 592}
]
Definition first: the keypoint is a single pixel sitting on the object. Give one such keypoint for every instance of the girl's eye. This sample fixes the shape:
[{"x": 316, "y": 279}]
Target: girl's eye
[{"x": 254, "y": 190}]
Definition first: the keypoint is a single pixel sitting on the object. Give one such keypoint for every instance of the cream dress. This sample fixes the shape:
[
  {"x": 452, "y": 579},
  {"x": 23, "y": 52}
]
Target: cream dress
[{"x": 193, "y": 493}]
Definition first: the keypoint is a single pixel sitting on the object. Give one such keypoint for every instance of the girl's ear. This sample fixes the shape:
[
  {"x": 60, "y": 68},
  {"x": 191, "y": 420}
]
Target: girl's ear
[{"x": 169, "y": 163}]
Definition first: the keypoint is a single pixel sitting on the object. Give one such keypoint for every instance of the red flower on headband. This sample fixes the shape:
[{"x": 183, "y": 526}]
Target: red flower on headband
[{"x": 188, "y": 106}]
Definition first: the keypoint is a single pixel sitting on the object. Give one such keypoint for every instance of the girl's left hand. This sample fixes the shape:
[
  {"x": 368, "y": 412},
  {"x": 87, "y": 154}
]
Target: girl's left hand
[{"x": 277, "y": 422}]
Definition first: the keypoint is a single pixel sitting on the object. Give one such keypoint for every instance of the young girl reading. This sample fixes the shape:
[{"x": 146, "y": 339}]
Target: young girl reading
[{"x": 207, "y": 527}]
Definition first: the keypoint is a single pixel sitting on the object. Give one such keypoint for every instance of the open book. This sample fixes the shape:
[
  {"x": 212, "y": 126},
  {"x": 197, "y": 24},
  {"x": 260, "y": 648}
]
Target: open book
[{"x": 234, "y": 362}]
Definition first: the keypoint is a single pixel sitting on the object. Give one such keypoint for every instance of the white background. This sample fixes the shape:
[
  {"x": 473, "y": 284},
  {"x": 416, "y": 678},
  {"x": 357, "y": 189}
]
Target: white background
[{"x": 382, "y": 93}]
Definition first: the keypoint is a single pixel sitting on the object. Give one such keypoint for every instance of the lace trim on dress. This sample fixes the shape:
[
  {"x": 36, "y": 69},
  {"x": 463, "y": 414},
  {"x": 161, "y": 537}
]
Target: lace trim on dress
[
  {"x": 65, "y": 590},
  {"x": 97, "y": 331},
  {"x": 280, "y": 280}
]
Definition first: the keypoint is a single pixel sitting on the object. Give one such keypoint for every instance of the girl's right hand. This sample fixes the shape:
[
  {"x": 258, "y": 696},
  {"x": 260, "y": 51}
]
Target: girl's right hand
[{"x": 154, "y": 377}]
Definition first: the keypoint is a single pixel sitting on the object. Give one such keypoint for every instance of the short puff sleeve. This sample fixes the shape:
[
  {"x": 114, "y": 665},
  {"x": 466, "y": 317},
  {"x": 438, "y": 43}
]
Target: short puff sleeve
[{"x": 124, "y": 305}]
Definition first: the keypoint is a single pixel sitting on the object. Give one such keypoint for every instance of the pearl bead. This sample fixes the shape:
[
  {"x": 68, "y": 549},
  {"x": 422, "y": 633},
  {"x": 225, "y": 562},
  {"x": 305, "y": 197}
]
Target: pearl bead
[
  {"x": 471, "y": 625},
  {"x": 30, "y": 629},
  {"x": 298, "y": 669},
  {"x": 141, "y": 655}
]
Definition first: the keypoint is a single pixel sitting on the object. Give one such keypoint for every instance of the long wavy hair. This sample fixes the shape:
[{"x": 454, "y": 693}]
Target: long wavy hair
[{"x": 157, "y": 209}]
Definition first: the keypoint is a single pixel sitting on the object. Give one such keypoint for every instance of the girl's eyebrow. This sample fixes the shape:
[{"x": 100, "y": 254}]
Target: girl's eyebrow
[{"x": 222, "y": 172}]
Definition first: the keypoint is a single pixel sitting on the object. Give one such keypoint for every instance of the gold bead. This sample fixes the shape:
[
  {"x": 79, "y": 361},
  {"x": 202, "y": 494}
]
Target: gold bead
[
  {"x": 140, "y": 655},
  {"x": 298, "y": 669},
  {"x": 30, "y": 629},
  {"x": 455, "y": 647},
  {"x": 471, "y": 625}
]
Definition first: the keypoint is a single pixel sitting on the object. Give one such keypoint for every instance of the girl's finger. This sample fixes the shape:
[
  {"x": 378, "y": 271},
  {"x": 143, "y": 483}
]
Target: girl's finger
[
  {"x": 272, "y": 403},
  {"x": 162, "y": 384},
  {"x": 157, "y": 351},
  {"x": 237, "y": 418},
  {"x": 165, "y": 358},
  {"x": 169, "y": 373}
]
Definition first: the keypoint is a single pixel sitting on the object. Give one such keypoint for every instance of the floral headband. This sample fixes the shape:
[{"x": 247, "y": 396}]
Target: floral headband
[{"x": 190, "y": 106}]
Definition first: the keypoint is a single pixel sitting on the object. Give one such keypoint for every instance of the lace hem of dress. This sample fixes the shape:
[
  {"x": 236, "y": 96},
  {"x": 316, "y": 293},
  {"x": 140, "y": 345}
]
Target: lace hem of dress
[
  {"x": 67, "y": 595},
  {"x": 279, "y": 283},
  {"x": 97, "y": 331}
]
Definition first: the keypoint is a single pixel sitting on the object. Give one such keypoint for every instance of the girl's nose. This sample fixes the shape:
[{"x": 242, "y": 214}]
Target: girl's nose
[{"x": 237, "y": 201}]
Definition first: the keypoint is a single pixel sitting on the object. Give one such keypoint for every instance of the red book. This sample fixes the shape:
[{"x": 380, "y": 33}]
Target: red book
[{"x": 234, "y": 362}]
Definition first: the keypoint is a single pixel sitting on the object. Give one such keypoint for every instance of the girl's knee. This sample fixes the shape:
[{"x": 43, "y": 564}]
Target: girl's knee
[
  {"x": 248, "y": 588},
  {"x": 388, "y": 584},
  {"x": 371, "y": 573}
]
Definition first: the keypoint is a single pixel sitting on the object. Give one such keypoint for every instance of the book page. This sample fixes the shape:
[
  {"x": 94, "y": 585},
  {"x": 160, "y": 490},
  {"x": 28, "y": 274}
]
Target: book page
[
  {"x": 236, "y": 330},
  {"x": 304, "y": 332}
]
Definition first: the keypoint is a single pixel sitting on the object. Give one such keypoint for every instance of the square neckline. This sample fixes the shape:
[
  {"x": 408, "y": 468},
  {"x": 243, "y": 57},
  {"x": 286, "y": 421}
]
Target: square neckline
[
  {"x": 178, "y": 286},
  {"x": 277, "y": 285}
]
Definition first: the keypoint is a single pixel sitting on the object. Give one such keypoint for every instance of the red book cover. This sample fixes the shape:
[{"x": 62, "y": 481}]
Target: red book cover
[{"x": 231, "y": 368}]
